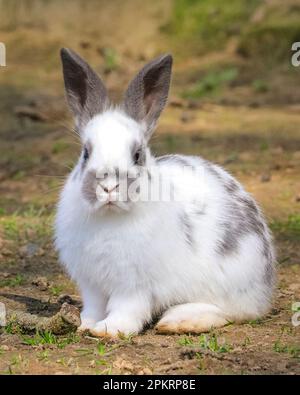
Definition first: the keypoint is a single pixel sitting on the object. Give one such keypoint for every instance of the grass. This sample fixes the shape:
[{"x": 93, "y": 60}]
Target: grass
[
  {"x": 10, "y": 226},
  {"x": 101, "y": 349},
  {"x": 59, "y": 146},
  {"x": 212, "y": 83},
  {"x": 12, "y": 282},
  {"x": 48, "y": 338},
  {"x": 206, "y": 342},
  {"x": 111, "y": 61},
  {"x": 56, "y": 290},
  {"x": 33, "y": 224},
  {"x": 203, "y": 26},
  {"x": 294, "y": 351},
  {"x": 288, "y": 229},
  {"x": 211, "y": 343},
  {"x": 19, "y": 175},
  {"x": 206, "y": 25},
  {"x": 256, "y": 322},
  {"x": 296, "y": 307},
  {"x": 269, "y": 42},
  {"x": 12, "y": 328},
  {"x": 260, "y": 86},
  {"x": 126, "y": 339},
  {"x": 185, "y": 341},
  {"x": 43, "y": 356}
]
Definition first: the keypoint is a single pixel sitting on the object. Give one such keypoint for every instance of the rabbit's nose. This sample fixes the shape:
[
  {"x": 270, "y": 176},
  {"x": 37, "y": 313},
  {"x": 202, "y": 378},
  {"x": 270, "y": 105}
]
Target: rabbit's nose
[{"x": 109, "y": 189}]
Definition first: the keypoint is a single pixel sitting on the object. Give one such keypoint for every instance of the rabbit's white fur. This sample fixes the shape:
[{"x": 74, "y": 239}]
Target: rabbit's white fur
[
  {"x": 202, "y": 260},
  {"x": 134, "y": 264}
]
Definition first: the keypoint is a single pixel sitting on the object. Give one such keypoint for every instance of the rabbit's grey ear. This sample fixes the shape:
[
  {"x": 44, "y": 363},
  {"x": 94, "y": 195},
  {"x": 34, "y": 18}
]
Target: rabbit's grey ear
[
  {"x": 147, "y": 93},
  {"x": 86, "y": 94}
]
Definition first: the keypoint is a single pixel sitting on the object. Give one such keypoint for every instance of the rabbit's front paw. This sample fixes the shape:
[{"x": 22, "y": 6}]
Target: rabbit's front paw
[
  {"x": 110, "y": 329},
  {"x": 86, "y": 324}
]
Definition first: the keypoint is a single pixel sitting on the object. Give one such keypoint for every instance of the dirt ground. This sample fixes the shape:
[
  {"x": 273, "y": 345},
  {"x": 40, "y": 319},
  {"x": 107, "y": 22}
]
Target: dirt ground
[{"x": 256, "y": 138}]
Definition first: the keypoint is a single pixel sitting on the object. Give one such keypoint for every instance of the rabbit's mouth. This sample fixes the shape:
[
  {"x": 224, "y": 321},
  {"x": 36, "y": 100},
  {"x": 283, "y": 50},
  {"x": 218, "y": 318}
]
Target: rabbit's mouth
[{"x": 115, "y": 207}]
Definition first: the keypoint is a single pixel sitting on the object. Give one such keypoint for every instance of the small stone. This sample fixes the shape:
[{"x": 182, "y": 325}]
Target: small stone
[
  {"x": 194, "y": 104},
  {"x": 186, "y": 117},
  {"x": 92, "y": 364},
  {"x": 4, "y": 347},
  {"x": 276, "y": 166},
  {"x": 122, "y": 364},
  {"x": 41, "y": 282},
  {"x": 70, "y": 361},
  {"x": 176, "y": 102},
  {"x": 265, "y": 177},
  {"x": 144, "y": 371},
  {"x": 256, "y": 368},
  {"x": 5, "y": 275},
  {"x": 85, "y": 44},
  {"x": 65, "y": 298},
  {"x": 70, "y": 314},
  {"x": 6, "y": 252}
]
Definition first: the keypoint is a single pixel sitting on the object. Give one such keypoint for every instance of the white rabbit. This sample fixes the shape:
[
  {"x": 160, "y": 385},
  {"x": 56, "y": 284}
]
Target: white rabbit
[{"x": 202, "y": 260}]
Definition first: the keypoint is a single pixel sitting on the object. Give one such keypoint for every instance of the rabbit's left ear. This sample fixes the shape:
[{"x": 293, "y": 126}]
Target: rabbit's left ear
[
  {"x": 147, "y": 93},
  {"x": 86, "y": 93}
]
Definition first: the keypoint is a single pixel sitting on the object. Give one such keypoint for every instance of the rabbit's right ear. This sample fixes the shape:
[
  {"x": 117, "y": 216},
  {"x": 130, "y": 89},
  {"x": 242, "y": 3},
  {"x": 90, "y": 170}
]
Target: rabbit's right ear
[
  {"x": 147, "y": 93},
  {"x": 86, "y": 93}
]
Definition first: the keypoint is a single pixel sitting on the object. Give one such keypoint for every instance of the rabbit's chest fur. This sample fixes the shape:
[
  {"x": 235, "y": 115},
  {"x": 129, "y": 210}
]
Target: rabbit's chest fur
[{"x": 137, "y": 252}]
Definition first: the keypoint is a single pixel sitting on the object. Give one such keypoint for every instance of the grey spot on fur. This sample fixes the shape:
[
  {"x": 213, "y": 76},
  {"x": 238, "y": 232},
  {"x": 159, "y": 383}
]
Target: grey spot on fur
[
  {"x": 229, "y": 242},
  {"x": 229, "y": 183},
  {"x": 231, "y": 186},
  {"x": 89, "y": 186},
  {"x": 178, "y": 159},
  {"x": 86, "y": 94},
  {"x": 187, "y": 228},
  {"x": 243, "y": 218},
  {"x": 269, "y": 274},
  {"x": 213, "y": 169},
  {"x": 147, "y": 93}
]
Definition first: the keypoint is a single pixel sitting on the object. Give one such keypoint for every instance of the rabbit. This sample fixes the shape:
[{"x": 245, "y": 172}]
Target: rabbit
[{"x": 194, "y": 263}]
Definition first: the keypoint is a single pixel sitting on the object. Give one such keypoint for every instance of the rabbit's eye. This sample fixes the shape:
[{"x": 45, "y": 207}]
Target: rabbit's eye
[
  {"x": 136, "y": 157},
  {"x": 85, "y": 154}
]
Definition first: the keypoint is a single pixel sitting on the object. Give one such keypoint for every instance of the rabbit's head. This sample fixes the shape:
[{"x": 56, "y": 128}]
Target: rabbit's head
[{"x": 114, "y": 155}]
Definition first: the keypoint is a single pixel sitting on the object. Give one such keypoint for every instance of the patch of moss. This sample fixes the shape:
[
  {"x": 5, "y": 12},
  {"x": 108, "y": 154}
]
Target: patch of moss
[
  {"x": 289, "y": 229},
  {"x": 212, "y": 83},
  {"x": 206, "y": 25},
  {"x": 270, "y": 42}
]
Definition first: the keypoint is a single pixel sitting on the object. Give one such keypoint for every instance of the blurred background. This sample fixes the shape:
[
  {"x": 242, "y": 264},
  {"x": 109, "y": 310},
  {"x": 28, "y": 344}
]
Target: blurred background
[
  {"x": 235, "y": 99},
  {"x": 235, "y": 96}
]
